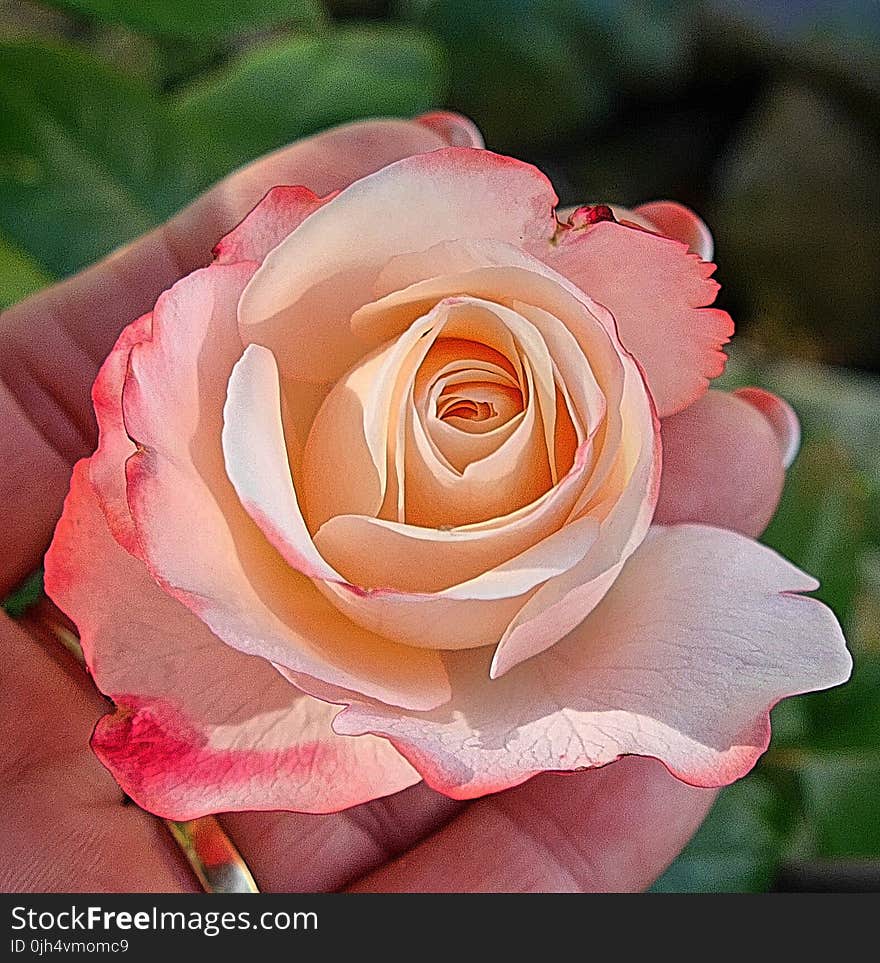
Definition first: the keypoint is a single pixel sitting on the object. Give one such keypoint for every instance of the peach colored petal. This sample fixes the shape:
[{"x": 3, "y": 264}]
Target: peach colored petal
[
  {"x": 353, "y": 434},
  {"x": 622, "y": 486},
  {"x": 198, "y": 727},
  {"x": 512, "y": 475},
  {"x": 457, "y": 371},
  {"x": 430, "y": 559},
  {"x": 281, "y": 211},
  {"x": 473, "y": 325},
  {"x": 198, "y": 541},
  {"x": 345, "y": 463},
  {"x": 623, "y": 482},
  {"x": 507, "y": 275},
  {"x": 468, "y": 614},
  {"x": 257, "y": 464},
  {"x": 658, "y": 294},
  {"x": 677, "y": 221},
  {"x": 459, "y": 440},
  {"x": 310, "y": 285},
  {"x": 624, "y": 506},
  {"x": 722, "y": 465},
  {"x": 426, "y": 622},
  {"x": 699, "y": 637}
]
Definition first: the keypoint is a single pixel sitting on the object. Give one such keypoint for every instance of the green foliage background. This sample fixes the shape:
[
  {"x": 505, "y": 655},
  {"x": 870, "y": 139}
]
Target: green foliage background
[{"x": 763, "y": 115}]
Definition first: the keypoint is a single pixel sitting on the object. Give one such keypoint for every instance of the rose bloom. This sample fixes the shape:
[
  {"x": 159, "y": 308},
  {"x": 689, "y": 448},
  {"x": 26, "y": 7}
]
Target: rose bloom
[{"x": 376, "y": 499}]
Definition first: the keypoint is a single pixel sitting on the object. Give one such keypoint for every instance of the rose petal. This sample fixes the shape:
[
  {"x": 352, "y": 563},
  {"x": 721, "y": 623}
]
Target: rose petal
[
  {"x": 698, "y": 638},
  {"x": 196, "y": 538},
  {"x": 658, "y": 294},
  {"x": 345, "y": 463},
  {"x": 432, "y": 559},
  {"x": 312, "y": 283},
  {"x": 470, "y": 613},
  {"x": 114, "y": 445},
  {"x": 500, "y": 272},
  {"x": 624, "y": 505},
  {"x": 514, "y": 474},
  {"x": 721, "y": 466},
  {"x": 280, "y": 212},
  {"x": 257, "y": 464},
  {"x": 198, "y": 727}
]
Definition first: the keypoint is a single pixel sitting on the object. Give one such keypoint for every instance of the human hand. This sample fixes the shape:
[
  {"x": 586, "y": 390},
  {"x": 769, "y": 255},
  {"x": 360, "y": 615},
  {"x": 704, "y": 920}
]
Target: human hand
[{"x": 66, "y": 825}]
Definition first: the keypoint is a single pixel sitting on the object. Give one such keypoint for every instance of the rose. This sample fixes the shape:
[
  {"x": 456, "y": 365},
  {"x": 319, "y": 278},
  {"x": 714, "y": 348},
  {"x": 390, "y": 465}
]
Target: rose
[{"x": 397, "y": 449}]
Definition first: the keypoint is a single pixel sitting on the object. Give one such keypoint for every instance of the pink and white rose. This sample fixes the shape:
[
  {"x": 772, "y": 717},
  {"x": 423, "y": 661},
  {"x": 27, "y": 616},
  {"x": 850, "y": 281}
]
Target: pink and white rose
[{"x": 418, "y": 481}]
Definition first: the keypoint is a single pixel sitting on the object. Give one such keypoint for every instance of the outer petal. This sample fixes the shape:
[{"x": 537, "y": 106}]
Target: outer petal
[
  {"x": 658, "y": 294},
  {"x": 196, "y": 538},
  {"x": 698, "y": 638},
  {"x": 257, "y": 462},
  {"x": 312, "y": 283},
  {"x": 281, "y": 211},
  {"x": 114, "y": 445},
  {"x": 199, "y": 727},
  {"x": 722, "y": 465}
]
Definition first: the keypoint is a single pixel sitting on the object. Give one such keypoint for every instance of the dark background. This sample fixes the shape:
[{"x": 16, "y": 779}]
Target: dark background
[{"x": 764, "y": 115}]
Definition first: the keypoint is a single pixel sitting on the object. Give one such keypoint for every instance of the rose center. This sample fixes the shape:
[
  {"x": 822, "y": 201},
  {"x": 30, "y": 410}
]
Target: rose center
[{"x": 476, "y": 406}]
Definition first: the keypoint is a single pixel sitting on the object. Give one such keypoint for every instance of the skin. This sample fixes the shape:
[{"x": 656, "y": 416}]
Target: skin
[{"x": 66, "y": 824}]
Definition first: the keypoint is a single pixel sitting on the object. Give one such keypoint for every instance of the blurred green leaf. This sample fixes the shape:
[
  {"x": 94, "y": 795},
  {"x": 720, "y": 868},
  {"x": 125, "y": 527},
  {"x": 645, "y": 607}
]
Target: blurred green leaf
[
  {"x": 738, "y": 847},
  {"x": 648, "y": 42},
  {"x": 847, "y": 718},
  {"x": 197, "y": 19},
  {"x": 841, "y": 793},
  {"x": 517, "y": 68},
  {"x": 24, "y": 596},
  {"x": 790, "y": 723},
  {"x": 88, "y": 157},
  {"x": 274, "y": 94},
  {"x": 821, "y": 524},
  {"x": 797, "y": 225},
  {"x": 20, "y": 275},
  {"x": 530, "y": 71},
  {"x": 837, "y": 402},
  {"x": 837, "y": 36}
]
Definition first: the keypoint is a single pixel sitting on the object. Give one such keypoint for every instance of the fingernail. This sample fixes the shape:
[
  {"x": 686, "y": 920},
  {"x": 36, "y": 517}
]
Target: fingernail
[
  {"x": 782, "y": 417},
  {"x": 456, "y": 129}
]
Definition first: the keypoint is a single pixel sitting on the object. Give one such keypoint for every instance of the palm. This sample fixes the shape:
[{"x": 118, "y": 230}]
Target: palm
[{"x": 67, "y": 827}]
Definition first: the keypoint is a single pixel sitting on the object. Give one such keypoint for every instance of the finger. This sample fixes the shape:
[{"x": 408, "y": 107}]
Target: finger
[
  {"x": 293, "y": 852},
  {"x": 782, "y": 417},
  {"x": 65, "y": 827},
  {"x": 722, "y": 465},
  {"x": 55, "y": 341},
  {"x": 612, "y": 829}
]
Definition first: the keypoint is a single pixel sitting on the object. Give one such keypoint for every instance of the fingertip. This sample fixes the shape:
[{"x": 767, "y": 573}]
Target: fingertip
[
  {"x": 681, "y": 223},
  {"x": 456, "y": 129},
  {"x": 722, "y": 465},
  {"x": 782, "y": 417}
]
